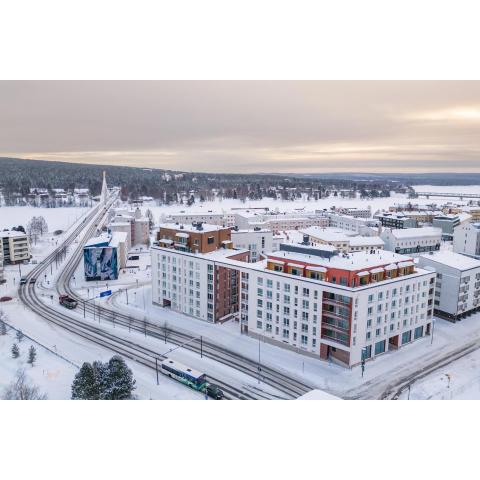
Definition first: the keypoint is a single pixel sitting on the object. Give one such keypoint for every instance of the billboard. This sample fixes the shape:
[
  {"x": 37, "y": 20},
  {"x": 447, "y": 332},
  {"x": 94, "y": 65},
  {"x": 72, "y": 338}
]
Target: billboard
[{"x": 100, "y": 263}]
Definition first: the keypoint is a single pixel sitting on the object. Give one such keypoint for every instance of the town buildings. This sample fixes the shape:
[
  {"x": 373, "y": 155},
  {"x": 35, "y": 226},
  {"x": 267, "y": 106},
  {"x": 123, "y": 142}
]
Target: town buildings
[
  {"x": 131, "y": 222},
  {"x": 15, "y": 246},
  {"x": 278, "y": 222},
  {"x": 466, "y": 239},
  {"x": 457, "y": 290},
  {"x": 396, "y": 220},
  {"x": 448, "y": 222},
  {"x": 361, "y": 226},
  {"x": 412, "y": 241},
  {"x": 342, "y": 240}
]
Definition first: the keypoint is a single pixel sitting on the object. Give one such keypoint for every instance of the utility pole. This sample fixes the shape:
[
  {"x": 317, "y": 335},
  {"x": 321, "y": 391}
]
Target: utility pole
[
  {"x": 201, "y": 347},
  {"x": 156, "y": 368},
  {"x": 433, "y": 328},
  {"x": 259, "y": 368}
]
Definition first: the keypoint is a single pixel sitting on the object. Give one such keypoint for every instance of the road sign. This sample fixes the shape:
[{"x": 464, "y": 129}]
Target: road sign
[{"x": 106, "y": 293}]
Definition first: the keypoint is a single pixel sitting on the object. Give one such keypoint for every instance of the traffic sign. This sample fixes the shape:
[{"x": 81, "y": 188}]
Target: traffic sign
[{"x": 106, "y": 293}]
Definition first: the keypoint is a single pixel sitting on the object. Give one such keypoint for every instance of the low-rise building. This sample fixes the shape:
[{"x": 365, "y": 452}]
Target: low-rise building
[
  {"x": 466, "y": 239},
  {"x": 278, "y": 222},
  {"x": 15, "y": 246},
  {"x": 362, "y": 226},
  {"x": 342, "y": 240},
  {"x": 396, "y": 220},
  {"x": 412, "y": 241},
  {"x": 448, "y": 223},
  {"x": 210, "y": 217},
  {"x": 188, "y": 271},
  {"x": 457, "y": 290},
  {"x": 104, "y": 256},
  {"x": 322, "y": 303},
  {"x": 131, "y": 222}
]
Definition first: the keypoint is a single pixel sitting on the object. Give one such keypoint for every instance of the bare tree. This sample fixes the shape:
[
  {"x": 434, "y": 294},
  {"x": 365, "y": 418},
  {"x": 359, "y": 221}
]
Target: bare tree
[{"x": 22, "y": 389}]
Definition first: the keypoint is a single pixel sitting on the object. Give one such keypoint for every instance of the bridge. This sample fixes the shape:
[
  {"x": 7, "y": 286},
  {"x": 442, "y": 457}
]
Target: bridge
[{"x": 461, "y": 196}]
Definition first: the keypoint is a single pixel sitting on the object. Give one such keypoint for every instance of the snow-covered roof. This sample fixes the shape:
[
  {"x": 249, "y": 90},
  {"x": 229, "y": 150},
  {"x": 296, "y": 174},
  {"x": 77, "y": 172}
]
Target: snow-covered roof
[
  {"x": 12, "y": 233},
  {"x": 416, "y": 232},
  {"x": 452, "y": 259},
  {"x": 351, "y": 261},
  {"x": 206, "y": 227}
]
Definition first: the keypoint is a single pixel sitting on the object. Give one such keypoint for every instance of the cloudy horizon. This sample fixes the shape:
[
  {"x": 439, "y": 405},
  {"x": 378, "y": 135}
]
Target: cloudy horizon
[{"x": 246, "y": 127}]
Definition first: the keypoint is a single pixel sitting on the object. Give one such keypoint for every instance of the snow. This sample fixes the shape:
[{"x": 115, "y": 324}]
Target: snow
[
  {"x": 417, "y": 232},
  {"x": 57, "y": 218},
  {"x": 453, "y": 260}
]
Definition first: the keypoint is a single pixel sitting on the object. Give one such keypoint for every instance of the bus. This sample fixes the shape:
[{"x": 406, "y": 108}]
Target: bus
[{"x": 183, "y": 374}]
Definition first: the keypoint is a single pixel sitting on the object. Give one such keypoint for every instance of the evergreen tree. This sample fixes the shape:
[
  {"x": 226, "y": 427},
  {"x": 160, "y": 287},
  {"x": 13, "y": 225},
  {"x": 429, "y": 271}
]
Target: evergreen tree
[
  {"x": 15, "y": 351},
  {"x": 86, "y": 384},
  {"x": 32, "y": 355},
  {"x": 120, "y": 381},
  {"x": 19, "y": 335},
  {"x": 3, "y": 328}
]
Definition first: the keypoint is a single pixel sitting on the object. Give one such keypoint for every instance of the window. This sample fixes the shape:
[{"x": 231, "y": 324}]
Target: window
[
  {"x": 210, "y": 240},
  {"x": 380, "y": 347},
  {"x": 406, "y": 337}
]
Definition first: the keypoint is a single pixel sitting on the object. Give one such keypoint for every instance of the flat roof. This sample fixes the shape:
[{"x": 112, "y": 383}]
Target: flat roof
[
  {"x": 12, "y": 233},
  {"x": 416, "y": 232},
  {"x": 351, "y": 261},
  {"x": 206, "y": 227},
  {"x": 453, "y": 260}
]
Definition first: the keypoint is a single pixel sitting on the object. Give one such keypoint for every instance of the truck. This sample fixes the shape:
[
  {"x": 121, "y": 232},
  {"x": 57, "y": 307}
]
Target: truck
[{"x": 67, "y": 301}]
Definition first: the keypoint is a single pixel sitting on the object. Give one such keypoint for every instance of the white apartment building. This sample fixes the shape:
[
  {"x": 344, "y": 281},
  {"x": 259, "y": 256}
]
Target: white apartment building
[
  {"x": 336, "y": 306},
  {"x": 466, "y": 239},
  {"x": 457, "y": 291},
  {"x": 278, "y": 222},
  {"x": 361, "y": 226},
  {"x": 412, "y": 241},
  {"x": 258, "y": 241},
  {"x": 131, "y": 222},
  {"x": 15, "y": 246},
  {"x": 210, "y": 217},
  {"x": 342, "y": 240}
]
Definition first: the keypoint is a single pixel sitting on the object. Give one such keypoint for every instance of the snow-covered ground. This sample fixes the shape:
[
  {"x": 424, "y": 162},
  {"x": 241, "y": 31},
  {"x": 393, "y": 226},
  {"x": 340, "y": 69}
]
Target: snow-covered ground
[{"x": 56, "y": 218}]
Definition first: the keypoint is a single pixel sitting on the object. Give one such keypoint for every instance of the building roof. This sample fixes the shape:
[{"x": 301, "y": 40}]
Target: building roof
[
  {"x": 102, "y": 240},
  {"x": 453, "y": 260},
  {"x": 332, "y": 234},
  {"x": 206, "y": 227},
  {"x": 416, "y": 232},
  {"x": 12, "y": 233},
  {"x": 351, "y": 261}
]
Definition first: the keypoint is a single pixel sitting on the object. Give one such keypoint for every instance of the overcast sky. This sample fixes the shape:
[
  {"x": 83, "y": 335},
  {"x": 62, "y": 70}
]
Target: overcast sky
[{"x": 226, "y": 126}]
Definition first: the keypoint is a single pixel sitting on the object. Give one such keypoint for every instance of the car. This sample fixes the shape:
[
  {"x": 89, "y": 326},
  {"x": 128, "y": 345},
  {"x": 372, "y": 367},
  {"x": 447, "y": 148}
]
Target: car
[
  {"x": 215, "y": 391},
  {"x": 33, "y": 280},
  {"x": 23, "y": 281}
]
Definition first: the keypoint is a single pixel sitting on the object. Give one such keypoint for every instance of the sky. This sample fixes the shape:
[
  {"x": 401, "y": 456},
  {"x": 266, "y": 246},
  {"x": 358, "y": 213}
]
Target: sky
[{"x": 246, "y": 126}]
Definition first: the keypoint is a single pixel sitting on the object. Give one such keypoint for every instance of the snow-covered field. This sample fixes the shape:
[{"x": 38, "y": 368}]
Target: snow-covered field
[{"x": 56, "y": 218}]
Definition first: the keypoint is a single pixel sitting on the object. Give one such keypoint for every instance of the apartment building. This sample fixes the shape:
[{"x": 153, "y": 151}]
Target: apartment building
[
  {"x": 189, "y": 274},
  {"x": 258, "y": 241},
  {"x": 457, "y": 290},
  {"x": 355, "y": 212},
  {"x": 466, "y": 239},
  {"x": 131, "y": 222},
  {"x": 396, "y": 220},
  {"x": 412, "y": 241},
  {"x": 342, "y": 240},
  {"x": 325, "y": 304},
  {"x": 2, "y": 277},
  {"x": 210, "y": 217},
  {"x": 362, "y": 226},
  {"x": 15, "y": 246},
  {"x": 278, "y": 222}
]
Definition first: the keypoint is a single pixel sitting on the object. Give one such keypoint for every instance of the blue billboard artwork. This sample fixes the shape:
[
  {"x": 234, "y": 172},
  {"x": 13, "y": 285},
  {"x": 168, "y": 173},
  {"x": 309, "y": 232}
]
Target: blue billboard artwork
[{"x": 100, "y": 263}]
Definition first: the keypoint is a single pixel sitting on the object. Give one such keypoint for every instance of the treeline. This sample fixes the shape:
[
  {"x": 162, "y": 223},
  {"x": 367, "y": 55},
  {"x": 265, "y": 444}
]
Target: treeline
[{"x": 19, "y": 175}]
